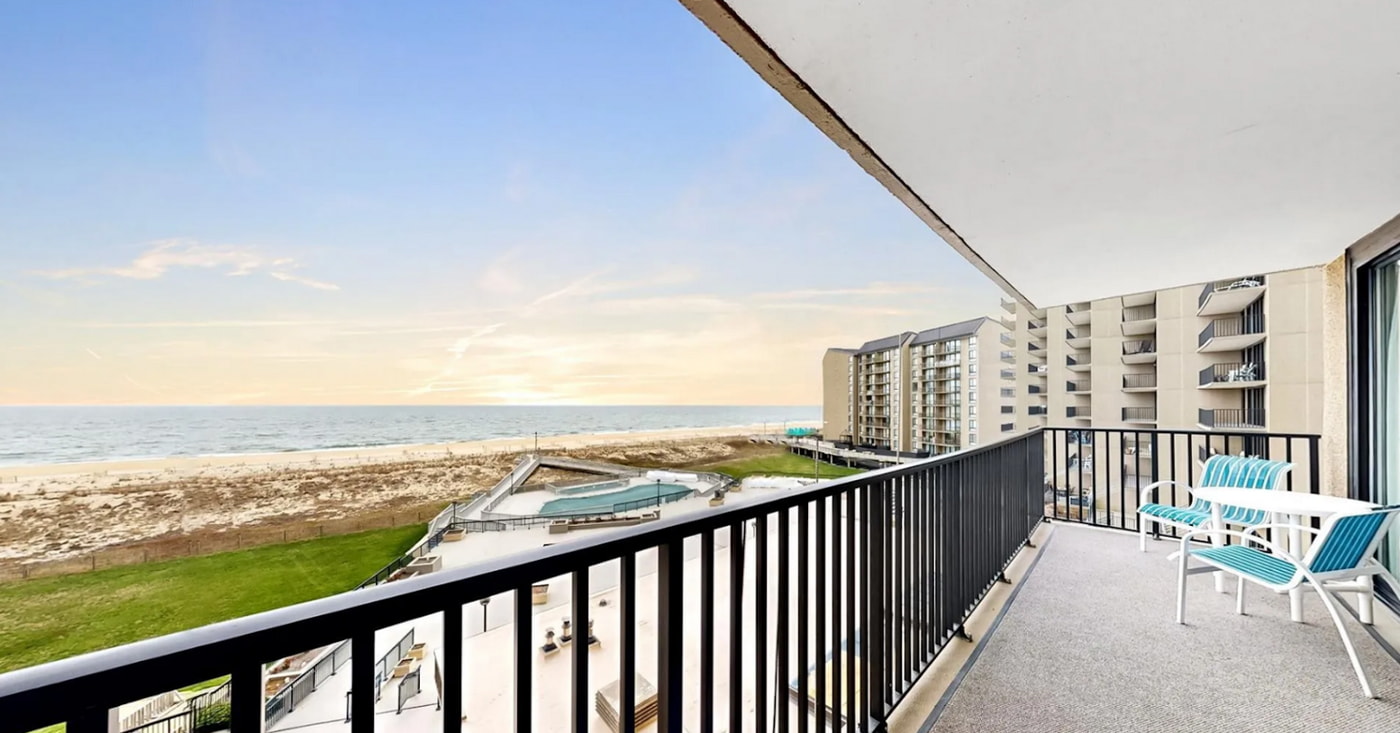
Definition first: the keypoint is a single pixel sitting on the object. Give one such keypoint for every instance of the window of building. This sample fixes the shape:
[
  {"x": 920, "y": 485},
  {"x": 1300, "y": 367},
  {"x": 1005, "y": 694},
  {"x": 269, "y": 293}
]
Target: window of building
[
  {"x": 972, "y": 438},
  {"x": 972, "y": 369},
  {"x": 972, "y": 382}
]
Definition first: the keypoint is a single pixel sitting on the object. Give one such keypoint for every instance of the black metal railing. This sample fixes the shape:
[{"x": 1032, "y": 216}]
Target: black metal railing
[
  {"x": 1079, "y": 386},
  {"x": 1231, "y": 418},
  {"x": 1131, "y": 348},
  {"x": 384, "y": 666},
  {"x": 1007, "y": 427},
  {"x": 1008, "y": 409},
  {"x": 1139, "y": 313},
  {"x": 286, "y": 699},
  {"x": 205, "y": 711},
  {"x": 1033, "y": 389},
  {"x": 1096, "y": 475},
  {"x": 1139, "y": 413},
  {"x": 1248, "y": 372},
  {"x": 1079, "y": 411},
  {"x": 1231, "y": 326},
  {"x": 888, "y": 564},
  {"x": 1252, "y": 281}
]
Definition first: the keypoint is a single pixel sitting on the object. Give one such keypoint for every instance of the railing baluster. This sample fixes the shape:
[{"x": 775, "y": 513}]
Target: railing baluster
[
  {"x": 361, "y": 681},
  {"x": 524, "y": 656},
  {"x": 852, "y": 613},
  {"x": 627, "y": 643},
  {"x": 670, "y": 626},
  {"x": 245, "y": 699},
  {"x": 803, "y": 620},
  {"x": 821, "y": 539},
  {"x": 760, "y": 616},
  {"x": 578, "y": 615},
  {"x": 837, "y": 558},
  {"x": 783, "y": 624},
  {"x": 736, "y": 627},
  {"x": 707, "y": 631},
  {"x": 452, "y": 623}
]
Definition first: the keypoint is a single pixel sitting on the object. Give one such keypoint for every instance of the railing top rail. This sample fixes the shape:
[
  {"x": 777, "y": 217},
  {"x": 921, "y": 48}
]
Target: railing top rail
[
  {"x": 1174, "y": 431},
  {"x": 202, "y": 653}
]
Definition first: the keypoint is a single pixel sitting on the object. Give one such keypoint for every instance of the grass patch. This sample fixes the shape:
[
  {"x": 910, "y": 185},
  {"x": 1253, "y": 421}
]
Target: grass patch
[
  {"x": 52, "y": 618},
  {"x": 778, "y": 463}
]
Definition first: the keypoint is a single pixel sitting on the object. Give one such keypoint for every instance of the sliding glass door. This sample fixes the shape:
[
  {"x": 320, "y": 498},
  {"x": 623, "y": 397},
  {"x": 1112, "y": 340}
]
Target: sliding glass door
[{"x": 1378, "y": 375}]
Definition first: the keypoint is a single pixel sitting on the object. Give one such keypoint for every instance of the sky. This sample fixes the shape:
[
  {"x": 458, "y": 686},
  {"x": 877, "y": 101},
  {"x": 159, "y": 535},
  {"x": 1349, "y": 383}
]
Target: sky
[{"x": 429, "y": 203}]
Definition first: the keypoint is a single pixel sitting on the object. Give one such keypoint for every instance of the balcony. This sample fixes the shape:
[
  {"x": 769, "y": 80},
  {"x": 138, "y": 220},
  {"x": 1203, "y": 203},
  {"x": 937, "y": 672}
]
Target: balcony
[
  {"x": 1038, "y": 370},
  {"x": 1231, "y": 419},
  {"x": 1140, "y": 382},
  {"x": 1037, "y": 411},
  {"x": 1078, "y": 412},
  {"x": 1007, "y": 339},
  {"x": 1231, "y": 334},
  {"x": 1007, "y": 356},
  {"x": 710, "y": 607},
  {"x": 1078, "y": 314},
  {"x": 1140, "y": 414},
  {"x": 1008, "y": 409},
  {"x": 1080, "y": 363},
  {"x": 1008, "y": 374},
  {"x": 1233, "y": 375},
  {"x": 1139, "y": 352},
  {"x": 1229, "y": 296},
  {"x": 1008, "y": 323},
  {"x": 1035, "y": 389},
  {"x": 1009, "y": 306},
  {"x": 1078, "y": 338},
  {"x": 1082, "y": 386},
  {"x": 1140, "y": 321},
  {"x": 1138, "y": 300},
  {"x": 1036, "y": 328},
  {"x": 1008, "y": 427}
]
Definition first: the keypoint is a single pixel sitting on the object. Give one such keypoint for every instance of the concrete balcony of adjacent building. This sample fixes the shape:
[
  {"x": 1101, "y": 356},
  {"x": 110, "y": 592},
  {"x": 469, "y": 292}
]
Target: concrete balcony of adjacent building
[
  {"x": 1008, "y": 322},
  {"x": 1229, "y": 296},
  {"x": 1140, "y": 352},
  {"x": 1144, "y": 382},
  {"x": 1232, "y": 418},
  {"x": 1080, "y": 386},
  {"x": 1040, "y": 371},
  {"x": 1007, "y": 356},
  {"x": 1078, "y": 314},
  {"x": 1009, "y": 306},
  {"x": 1146, "y": 414},
  {"x": 1078, "y": 338},
  {"x": 1233, "y": 375},
  {"x": 1036, "y": 328},
  {"x": 1007, "y": 339},
  {"x": 1079, "y": 362},
  {"x": 1138, "y": 300},
  {"x": 1008, "y": 373},
  {"x": 1078, "y": 412},
  {"x": 1140, "y": 321},
  {"x": 1232, "y": 333}
]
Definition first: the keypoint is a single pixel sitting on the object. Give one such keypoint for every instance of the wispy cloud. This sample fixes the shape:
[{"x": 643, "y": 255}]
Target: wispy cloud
[
  {"x": 163, "y": 256},
  {"x": 201, "y": 324}
]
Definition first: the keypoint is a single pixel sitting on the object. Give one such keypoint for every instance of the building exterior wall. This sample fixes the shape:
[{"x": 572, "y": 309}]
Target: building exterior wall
[
  {"x": 837, "y": 394},
  {"x": 1292, "y": 362}
]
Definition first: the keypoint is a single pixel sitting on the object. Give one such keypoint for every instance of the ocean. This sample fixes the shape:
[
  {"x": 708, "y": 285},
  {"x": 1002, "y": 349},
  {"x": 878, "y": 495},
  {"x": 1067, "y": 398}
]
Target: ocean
[{"x": 42, "y": 435}]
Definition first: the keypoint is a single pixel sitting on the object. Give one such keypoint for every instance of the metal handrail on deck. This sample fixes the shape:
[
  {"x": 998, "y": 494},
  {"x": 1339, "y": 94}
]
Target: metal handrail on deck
[{"x": 947, "y": 527}]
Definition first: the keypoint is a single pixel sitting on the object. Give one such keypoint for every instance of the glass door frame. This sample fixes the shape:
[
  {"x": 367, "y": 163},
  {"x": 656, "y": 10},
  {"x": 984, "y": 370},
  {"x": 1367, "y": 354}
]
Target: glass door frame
[{"x": 1362, "y": 262}]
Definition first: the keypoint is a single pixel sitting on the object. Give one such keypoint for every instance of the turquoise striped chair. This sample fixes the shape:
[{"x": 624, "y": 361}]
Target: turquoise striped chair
[
  {"x": 1342, "y": 558},
  {"x": 1231, "y": 471}
]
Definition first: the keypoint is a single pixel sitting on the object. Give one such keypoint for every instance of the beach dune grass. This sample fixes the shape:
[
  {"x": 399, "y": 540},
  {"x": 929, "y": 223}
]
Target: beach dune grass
[
  {"x": 52, "y": 618},
  {"x": 777, "y": 463}
]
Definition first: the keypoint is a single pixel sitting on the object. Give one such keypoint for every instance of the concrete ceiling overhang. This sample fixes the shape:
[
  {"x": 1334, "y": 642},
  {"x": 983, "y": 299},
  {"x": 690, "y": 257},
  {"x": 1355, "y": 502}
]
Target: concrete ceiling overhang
[{"x": 1077, "y": 150}]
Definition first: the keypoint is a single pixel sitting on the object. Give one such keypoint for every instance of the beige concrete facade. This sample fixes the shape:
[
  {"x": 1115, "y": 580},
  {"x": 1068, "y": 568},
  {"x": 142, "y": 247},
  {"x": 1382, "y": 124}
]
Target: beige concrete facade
[
  {"x": 1240, "y": 355},
  {"x": 934, "y": 391}
]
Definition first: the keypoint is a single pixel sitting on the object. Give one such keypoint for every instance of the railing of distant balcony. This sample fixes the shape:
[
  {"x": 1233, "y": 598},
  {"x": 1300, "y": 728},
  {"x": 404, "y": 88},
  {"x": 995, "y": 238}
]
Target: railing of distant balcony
[
  {"x": 1008, "y": 409},
  {"x": 1139, "y": 381},
  {"x": 1139, "y": 313},
  {"x": 1007, "y": 427},
  {"x": 888, "y": 564},
  {"x": 1007, "y": 355},
  {"x": 1079, "y": 411},
  {"x": 285, "y": 700},
  {"x": 1139, "y": 413},
  {"x": 1231, "y": 326},
  {"x": 1008, "y": 374},
  {"x": 1080, "y": 386},
  {"x": 1038, "y": 369},
  {"x": 1252, "y": 281},
  {"x": 1037, "y": 410},
  {"x": 1247, "y": 418},
  {"x": 1131, "y": 348},
  {"x": 1094, "y": 475},
  {"x": 202, "y": 709},
  {"x": 1248, "y": 372},
  {"x": 1032, "y": 389}
]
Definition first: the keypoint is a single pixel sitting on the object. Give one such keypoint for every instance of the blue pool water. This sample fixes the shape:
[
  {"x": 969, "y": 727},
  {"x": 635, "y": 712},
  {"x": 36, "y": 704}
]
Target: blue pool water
[{"x": 599, "y": 503}]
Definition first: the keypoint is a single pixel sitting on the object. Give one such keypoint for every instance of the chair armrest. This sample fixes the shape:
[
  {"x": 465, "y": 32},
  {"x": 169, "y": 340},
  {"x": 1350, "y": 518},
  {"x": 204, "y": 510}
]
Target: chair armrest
[
  {"x": 1281, "y": 525},
  {"x": 1146, "y": 492},
  {"x": 1282, "y": 553}
]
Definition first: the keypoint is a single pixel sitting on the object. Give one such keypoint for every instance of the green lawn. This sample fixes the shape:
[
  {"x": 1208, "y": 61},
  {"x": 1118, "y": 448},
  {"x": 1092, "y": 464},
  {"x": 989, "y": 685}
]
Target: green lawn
[
  {"x": 51, "y": 618},
  {"x": 777, "y": 464}
]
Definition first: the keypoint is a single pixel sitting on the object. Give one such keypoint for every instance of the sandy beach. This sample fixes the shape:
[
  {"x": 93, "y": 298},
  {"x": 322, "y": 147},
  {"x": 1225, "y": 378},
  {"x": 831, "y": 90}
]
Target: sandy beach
[{"x": 65, "y": 511}]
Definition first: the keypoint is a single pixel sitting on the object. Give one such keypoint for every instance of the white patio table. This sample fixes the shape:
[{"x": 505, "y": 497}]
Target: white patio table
[{"x": 1287, "y": 507}]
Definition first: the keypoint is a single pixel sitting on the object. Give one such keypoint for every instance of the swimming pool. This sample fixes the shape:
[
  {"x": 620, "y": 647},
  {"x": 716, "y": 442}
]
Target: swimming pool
[{"x": 615, "y": 500}]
